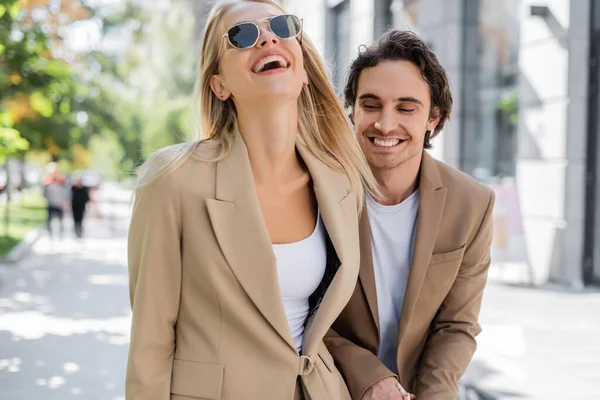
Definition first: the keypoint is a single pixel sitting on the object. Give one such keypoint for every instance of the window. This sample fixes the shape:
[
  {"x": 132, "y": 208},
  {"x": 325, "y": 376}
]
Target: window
[
  {"x": 338, "y": 43},
  {"x": 384, "y": 18},
  {"x": 591, "y": 271},
  {"x": 493, "y": 85}
]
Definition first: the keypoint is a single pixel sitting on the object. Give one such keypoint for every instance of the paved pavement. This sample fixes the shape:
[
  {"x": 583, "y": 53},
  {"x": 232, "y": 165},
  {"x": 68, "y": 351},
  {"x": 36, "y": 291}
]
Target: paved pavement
[
  {"x": 538, "y": 343},
  {"x": 64, "y": 323},
  {"x": 64, "y": 316}
]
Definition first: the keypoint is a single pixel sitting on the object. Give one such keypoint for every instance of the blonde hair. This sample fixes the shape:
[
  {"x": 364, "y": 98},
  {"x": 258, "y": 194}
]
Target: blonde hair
[{"x": 322, "y": 124}]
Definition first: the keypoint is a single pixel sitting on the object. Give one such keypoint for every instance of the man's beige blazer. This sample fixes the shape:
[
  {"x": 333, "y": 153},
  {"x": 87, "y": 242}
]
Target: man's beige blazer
[
  {"x": 208, "y": 318},
  {"x": 438, "y": 325}
]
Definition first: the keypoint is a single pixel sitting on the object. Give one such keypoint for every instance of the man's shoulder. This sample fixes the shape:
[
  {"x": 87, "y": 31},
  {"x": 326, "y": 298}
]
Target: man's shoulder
[{"x": 462, "y": 186}]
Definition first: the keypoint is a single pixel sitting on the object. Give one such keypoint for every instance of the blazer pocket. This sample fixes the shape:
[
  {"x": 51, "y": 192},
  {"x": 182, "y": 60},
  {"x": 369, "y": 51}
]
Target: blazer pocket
[
  {"x": 197, "y": 380},
  {"x": 448, "y": 256},
  {"x": 327, "y": 359}
]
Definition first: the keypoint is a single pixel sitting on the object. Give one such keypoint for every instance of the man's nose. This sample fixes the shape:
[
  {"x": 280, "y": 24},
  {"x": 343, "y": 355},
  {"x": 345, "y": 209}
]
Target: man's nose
[{"x": 387, "y": 122}]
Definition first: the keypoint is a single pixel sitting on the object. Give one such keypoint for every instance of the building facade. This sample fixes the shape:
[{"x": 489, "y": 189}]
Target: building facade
[{"x": 524, "y": 76}]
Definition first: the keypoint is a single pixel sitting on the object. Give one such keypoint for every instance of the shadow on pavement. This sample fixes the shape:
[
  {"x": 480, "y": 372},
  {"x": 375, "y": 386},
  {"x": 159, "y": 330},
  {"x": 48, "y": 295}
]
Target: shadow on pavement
[{"x": 481, "y": 371}]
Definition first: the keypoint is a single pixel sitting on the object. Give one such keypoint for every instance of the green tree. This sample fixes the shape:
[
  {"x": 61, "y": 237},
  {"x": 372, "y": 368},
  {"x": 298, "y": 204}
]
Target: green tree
[
  {"x": 171, "y": 71},
  {"x": 150, "y": 86},
  {"x": 11, "y": 143},
  {"x": 38, "y": 90}
]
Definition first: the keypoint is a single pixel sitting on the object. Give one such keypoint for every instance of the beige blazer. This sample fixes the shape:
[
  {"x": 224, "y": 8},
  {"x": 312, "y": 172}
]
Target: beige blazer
[
  {"x": 208, "y": 318},
  {"x": 438, "y": 324}
]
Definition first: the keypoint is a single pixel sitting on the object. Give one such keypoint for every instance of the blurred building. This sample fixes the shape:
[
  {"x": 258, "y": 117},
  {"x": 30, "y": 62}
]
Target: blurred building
[
  {"x": 525, "y": 77},
  {"x": 200, "y": 10}
]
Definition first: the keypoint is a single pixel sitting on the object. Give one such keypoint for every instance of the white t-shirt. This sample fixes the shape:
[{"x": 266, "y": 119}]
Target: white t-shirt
[
  {"x": 392, "y": 241},
  {"x": 300, "y": 269}
]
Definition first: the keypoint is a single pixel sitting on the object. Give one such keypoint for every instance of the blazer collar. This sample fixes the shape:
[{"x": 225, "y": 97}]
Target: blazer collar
[{"x": 240, "y": 229}]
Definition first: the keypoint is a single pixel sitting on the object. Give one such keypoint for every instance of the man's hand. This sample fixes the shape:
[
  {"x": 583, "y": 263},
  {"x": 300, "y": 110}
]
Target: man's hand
[{"x": 387, "y": 389}]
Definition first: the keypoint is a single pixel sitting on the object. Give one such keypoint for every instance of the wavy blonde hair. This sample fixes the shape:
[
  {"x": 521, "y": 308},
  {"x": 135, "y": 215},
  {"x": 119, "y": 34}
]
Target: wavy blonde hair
[{"x": 322, "y": 124}]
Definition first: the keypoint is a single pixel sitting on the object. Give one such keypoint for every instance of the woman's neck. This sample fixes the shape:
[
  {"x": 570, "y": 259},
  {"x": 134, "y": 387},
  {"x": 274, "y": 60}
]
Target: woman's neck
[{"x": 270, "y": 137}]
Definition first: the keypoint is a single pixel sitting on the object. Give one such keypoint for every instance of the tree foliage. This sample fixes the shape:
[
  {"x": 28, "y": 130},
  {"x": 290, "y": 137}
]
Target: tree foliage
[
  {"x": 57, "y": 99},
  {"x": 39, "y": 92},
  {"x": 11, "y": 143}
]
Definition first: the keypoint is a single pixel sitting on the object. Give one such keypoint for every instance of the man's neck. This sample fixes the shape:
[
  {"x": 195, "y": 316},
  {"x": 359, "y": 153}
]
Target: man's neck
[{"x": 399, "y": 183}]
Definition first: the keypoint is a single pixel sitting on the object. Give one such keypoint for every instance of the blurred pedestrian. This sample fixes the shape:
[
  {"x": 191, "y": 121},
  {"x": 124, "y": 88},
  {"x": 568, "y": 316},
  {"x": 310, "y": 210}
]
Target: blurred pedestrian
[
  {"x": 425, "y": 246},
  {"x": 243, "y": 247},
  {"x": 80, "y": 197},
  {"x": 56, "y": 195}
]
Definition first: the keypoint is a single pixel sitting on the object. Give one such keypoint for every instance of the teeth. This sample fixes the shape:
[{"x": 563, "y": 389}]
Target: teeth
[
  {"x": 259, "y": 67},
  {"x": 386, "y": 143}
]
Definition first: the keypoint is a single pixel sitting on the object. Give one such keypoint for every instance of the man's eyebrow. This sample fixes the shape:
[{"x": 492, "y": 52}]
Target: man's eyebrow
[
  {"x": 368, "y": 96},
  {"x": 410, "y": 100},
  {"x": 399, "y": 99}
]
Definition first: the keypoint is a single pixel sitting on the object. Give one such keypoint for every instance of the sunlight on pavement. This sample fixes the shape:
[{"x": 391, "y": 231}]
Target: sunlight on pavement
[
  {"x": 71, "y": 368},
  {"x": 11, "y": 364},
  {"x": 56, "y": 381},
  {"x": 35, "y": 325},
  {"x": 508, "y": 340},
  {"x": 108, "y": 280}
]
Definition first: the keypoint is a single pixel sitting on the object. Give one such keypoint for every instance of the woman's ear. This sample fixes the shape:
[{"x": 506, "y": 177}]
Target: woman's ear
[{"x": 219, "y": 88}]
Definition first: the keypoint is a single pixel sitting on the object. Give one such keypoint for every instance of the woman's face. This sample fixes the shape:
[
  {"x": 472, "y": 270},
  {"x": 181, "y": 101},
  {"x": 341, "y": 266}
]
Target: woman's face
[{"x": 273, "y": 69}]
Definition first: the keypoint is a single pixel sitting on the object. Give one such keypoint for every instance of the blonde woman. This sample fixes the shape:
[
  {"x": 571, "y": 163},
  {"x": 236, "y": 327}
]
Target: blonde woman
[{"x": 243, "y": 247}]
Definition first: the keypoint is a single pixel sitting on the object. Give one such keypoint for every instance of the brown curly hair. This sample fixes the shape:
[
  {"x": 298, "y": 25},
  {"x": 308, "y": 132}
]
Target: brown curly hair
[{"x": 396, "y": 45}]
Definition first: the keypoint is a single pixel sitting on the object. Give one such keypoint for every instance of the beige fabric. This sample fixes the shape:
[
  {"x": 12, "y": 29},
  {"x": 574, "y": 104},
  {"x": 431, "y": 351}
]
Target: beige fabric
[
  {"x": 208, "y": 319},
  {"x": 439, "y": 318}
]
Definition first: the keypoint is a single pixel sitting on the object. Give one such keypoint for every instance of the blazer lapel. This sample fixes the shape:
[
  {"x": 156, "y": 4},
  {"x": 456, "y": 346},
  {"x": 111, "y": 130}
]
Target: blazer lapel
[
  {"x": 367, "y": 272},
  {"x": 239, "y": 226},
  {"x": 338, "y": 208},
  {"x": 432, "y": 197}
]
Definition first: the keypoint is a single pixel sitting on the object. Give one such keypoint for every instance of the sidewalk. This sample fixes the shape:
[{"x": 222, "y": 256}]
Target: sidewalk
[
  {"x": 539, "y": 343},
  {"x": 65, "y": 317}
]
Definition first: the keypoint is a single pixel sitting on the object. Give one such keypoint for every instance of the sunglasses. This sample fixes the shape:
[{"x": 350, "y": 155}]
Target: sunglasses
[{"x": 246, "y": 34}]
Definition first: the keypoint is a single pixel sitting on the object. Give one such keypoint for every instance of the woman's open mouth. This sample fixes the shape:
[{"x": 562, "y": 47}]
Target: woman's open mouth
[{"x": 271, "y": 64}]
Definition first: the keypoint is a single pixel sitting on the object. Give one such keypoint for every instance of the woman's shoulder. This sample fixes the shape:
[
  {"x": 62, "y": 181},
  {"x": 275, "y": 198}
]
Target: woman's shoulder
[
  {"x": 178, "y": 164},
  {"x": 197, "y": 150}
]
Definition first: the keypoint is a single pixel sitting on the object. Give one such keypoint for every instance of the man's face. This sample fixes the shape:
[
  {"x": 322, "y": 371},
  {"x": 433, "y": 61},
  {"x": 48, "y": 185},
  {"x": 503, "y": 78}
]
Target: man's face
[{"x": 391, "y": 114}]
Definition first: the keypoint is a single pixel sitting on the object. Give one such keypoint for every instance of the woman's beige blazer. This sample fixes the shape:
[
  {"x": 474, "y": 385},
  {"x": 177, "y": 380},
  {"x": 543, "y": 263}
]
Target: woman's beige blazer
[{"x": 208, "y": 319}]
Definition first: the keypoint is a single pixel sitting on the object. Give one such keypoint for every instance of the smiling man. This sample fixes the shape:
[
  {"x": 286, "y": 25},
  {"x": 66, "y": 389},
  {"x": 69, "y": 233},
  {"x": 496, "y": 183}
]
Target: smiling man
[{"x": 425, "y": 246}]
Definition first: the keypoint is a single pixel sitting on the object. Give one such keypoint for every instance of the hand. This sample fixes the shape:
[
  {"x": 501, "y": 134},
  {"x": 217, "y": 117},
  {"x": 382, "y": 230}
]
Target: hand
[{"x": 387, "y": 389}]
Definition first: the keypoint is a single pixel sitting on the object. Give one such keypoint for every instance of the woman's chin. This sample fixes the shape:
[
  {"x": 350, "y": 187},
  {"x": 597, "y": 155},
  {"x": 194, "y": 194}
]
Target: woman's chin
[{"x": 275, "y": 94}]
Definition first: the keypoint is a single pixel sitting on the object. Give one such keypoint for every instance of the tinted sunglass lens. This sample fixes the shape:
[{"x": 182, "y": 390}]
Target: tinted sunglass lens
[
  {"x": 243, "y": 36},
  {"x": 285, "y": 26}
]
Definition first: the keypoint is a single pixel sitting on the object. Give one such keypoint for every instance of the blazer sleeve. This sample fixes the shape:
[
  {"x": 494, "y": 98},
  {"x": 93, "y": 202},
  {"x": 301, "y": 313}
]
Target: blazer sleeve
[
  {"x": 154, "y": 261},
  {"x": 359, "y": 366},
  {"x": 451, "y": 343}
]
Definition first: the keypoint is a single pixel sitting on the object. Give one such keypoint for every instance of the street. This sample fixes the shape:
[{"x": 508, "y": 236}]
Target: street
[{"x": 65, "y": 316}]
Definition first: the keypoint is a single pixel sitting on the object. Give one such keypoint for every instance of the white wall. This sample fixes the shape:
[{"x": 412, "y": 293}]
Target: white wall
[{"x": 552, "y": 136}]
